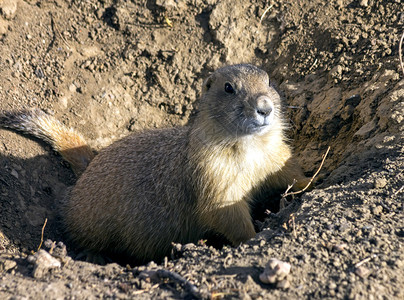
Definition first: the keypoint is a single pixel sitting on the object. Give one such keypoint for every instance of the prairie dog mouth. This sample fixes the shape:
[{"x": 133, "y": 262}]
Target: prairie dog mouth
[{"x": 259, "y": 116}]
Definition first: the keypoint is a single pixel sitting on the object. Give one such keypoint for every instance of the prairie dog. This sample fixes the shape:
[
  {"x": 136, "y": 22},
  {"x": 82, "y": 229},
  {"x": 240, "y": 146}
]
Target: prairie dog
[{"x": 150, "y": 189}]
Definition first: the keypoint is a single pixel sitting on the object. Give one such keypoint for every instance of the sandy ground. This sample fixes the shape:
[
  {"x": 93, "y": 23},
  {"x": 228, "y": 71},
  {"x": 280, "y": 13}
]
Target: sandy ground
[{"x": 109, "y": 68}]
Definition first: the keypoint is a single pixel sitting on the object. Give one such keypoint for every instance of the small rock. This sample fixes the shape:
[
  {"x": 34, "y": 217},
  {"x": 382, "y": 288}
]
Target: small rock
[
  {"x": 43, "y": 262},
  {"x": 275, "y": 271},
  {"x": 14, "y": 173},
  {"x": 152, "y": 265},
  {"x": 58, "y": 251},
  {"x": 339, "y": 247},
  {"x": 112, "y": 269},
  {"x": 72, "y": 88},
  {"x": 344, "y": 227},
  {"x": 8, "y": 8},
  {"x": 283, "y": 284},
  {"x": 3, "y": 27},
  {"x": 364, "y": 3},
  {"x": 380, "y": 183},
  {"x": 340, "y": 3},
  {"x": 243, "y": 295},
  {"x": 336, "y": 72},
  {"x": 7, "y": 264},
  {"x": 332, "y": 286},
  {"x": 49, "y": 244},
  {"x": 188, "y": 247},
  {"x": 336, "y": 262},
  {"x": 166, "y": 4},
  {"x": 362, "y": 271},
  {"x": 378, "y": 210}
]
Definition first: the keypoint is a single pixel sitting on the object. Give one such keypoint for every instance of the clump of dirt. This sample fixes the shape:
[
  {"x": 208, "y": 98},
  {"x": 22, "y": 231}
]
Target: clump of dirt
[{"x": 113, "y": 67}]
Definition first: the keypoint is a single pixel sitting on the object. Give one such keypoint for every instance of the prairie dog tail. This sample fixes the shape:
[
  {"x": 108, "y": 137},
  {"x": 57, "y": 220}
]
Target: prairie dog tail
[{"x": 69, "y": 143}]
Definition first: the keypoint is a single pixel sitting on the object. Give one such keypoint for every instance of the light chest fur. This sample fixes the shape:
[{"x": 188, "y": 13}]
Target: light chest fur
[{"x": 229, "y": 173}]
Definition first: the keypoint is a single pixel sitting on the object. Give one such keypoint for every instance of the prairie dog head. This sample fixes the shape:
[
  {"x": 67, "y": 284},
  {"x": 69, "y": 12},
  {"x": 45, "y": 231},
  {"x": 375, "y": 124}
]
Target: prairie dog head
[{"x": 240, "y": 100}]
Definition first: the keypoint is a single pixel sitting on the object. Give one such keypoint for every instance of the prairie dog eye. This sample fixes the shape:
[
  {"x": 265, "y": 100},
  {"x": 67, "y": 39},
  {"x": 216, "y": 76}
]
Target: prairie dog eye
[{"x": 228, "y": 88}]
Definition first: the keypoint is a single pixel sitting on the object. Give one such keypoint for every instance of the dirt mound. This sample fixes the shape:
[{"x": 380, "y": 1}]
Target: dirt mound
[{"x": 109, "y": 68}]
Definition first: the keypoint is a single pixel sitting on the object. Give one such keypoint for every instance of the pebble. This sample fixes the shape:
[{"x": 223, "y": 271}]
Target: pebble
[
  {"x": 166, "y": 4},
  {"x": 275, "y": 272},
  {"x": 188, "y": 247},
  {"x": 8, "y": 8},
  {"x": 378, "y": 210},
  {"x": 364, "y": 3},
  {"x": 14, "y": 173},
  {"x": 3, "y": 26},
  {"x": 336, "y": 263},
  {"x": 43, "y": 262},
  {"x": 336, "y": 72},
  {"x": 380, "y": 183},
  {"x": 7, "y": 264},
  {"x": 332, "y": 286},
  {"x": 339, "y": 247},
  {"x": 244, "y": 296},
  {"x": 362, "y": 271}
]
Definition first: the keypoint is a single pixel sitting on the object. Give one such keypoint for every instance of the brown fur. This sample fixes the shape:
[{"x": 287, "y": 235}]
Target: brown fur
[{"x": 148, "y": 190}]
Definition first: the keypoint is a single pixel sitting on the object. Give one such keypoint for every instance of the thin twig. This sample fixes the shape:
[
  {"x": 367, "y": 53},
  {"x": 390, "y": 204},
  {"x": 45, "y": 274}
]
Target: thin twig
[
  {"x": 265, "y": 12},
  {"x": 226, "y": 276},
  {"x": 311, "y": 180},
  {"x": 154, "y": 25},
  {"x": 357, "y": 265},
  {"x": 289, "y": 187},
  {"x": 399, "y": 190},
  {"x": 399, "y": 52},
  {"x": 55, "y": 28},
  {"x": 293, "y": 225},
  {"x": 181, "y": 280},
  {"x": 283, "y": 202},
  {"x": 218, "y": 295},
  {"x": 313, "y": 65},
  {"x": 43, "y": 229}
]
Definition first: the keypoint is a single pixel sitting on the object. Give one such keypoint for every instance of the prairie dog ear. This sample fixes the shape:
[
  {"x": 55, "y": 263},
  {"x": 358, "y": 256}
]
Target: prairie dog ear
[{"x": 207, "y": 84}]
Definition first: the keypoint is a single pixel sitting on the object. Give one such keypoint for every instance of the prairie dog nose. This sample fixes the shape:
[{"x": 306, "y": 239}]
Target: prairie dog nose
[{"x": 264, "y": 106}]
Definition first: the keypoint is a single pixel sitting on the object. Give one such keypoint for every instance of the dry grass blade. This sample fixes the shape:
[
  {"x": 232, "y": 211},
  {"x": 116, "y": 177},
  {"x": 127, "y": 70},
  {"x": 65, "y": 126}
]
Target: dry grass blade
[
  {"x": 311, "y": 180},
  {"x": 55, "y": 28},
  {"x": 181, "y": 280},
  {"x": 265, "y": 12},
  {"x": 357, "y": 265},
  {"x": 399, "y": 190},
  {"x": 399, "y": 52},
  {"x": 43, "y": 229}
]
